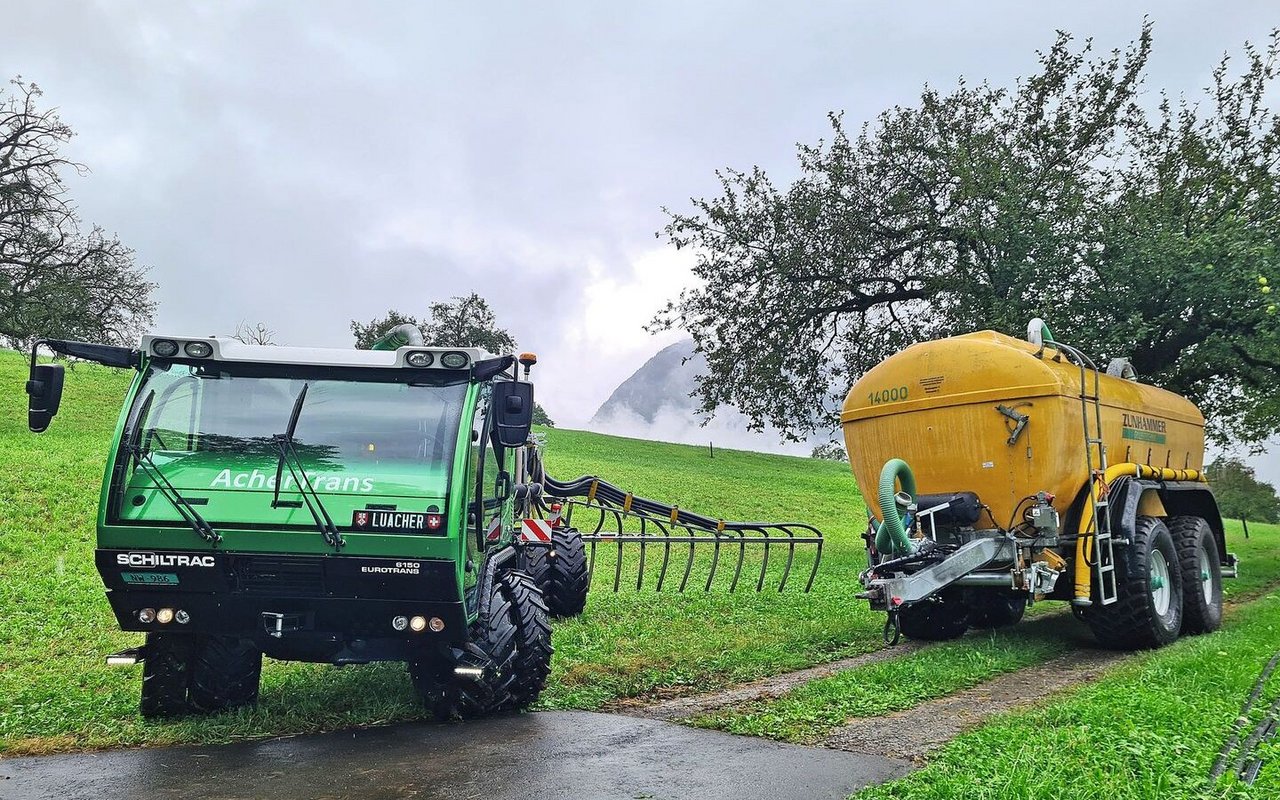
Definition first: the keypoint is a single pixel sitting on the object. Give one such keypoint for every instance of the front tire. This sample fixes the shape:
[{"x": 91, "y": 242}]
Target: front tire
[
  {"x": 533, "y": 639},
  {"x": 1148, "y": 611},
  {"x": 225, "y": 673},
  {"x": 165, "y": 675},
  {"x": 1201, "y": 574}
]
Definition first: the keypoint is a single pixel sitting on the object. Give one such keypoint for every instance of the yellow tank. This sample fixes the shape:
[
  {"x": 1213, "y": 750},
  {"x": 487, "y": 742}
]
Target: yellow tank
[{"x": 935, "y": 405}]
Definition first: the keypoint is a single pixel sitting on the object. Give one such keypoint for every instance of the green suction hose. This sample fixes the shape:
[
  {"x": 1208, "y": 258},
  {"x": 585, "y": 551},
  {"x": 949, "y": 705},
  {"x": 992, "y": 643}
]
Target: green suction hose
[{"x": 891, "y": 536}]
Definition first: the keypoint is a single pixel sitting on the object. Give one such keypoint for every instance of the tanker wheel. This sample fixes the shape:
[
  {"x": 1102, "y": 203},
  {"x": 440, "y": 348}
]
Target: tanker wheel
[
  {"x": 934, "y": 620},
  {"x": 997, "y": 608},
  {"x": 1201, "y": 574},
  {"x": 225, "y": 673},
  {"x": 1148, "y": 611},
  {"x": 166, "y": 672},
  {"x": 533, "y": 639}
]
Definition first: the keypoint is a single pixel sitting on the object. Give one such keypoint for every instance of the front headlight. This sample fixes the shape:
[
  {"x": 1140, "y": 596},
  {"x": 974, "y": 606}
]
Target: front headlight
[
  {"x": 420, "y": 358},
  {"x": 199, "y": 349},
  {"x": 165, "y": 348}
]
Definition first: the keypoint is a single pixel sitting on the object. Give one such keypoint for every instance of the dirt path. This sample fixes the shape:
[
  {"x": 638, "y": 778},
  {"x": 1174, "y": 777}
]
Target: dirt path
[
  {"x": 764, "y": 689},
  {"x": 911, "y": 734}
]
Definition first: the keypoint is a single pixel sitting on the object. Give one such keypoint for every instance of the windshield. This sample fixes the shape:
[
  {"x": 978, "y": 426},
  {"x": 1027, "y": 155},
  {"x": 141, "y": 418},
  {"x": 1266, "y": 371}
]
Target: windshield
[{"x": 211, "y": 426}]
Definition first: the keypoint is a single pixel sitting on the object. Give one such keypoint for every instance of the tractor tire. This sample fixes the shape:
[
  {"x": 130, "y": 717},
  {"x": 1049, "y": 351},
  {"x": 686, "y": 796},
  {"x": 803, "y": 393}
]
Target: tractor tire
[
  {"x": 1201, "y": 574},
  {"x": 225, "y": 673},
  {"x": 560, "y": 571},
  {"x": 568, "y": 578},
  {"x": 533, "y": 639},
  {"x": 935, "y": 620},
  {"x": 165, "y": 675},
  {"x": 491, "y": 653},
  {"x": 1148, "y": 611},
  {"x": 995, "y": 608}
]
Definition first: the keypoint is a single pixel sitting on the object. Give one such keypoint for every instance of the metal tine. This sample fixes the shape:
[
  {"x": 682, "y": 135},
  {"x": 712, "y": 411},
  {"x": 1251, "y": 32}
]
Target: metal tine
[
  {"x": 688, "y": 566},
  {"x": 791, "y": 557},
  {"x": 764, "y": 563},
  {"x": 617, "y": 569},
  {"x": 715, "y": 561},
  {"x": 742, "y": 556},
  {"x": 591, "y": 559},
  {"x": 640, "y": 572},
  {"x": 666, "y": 553},
  {"x": 817, "y": 558}
]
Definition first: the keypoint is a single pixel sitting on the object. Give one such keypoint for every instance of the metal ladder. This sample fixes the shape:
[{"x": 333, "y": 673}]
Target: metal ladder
[{"x": 1104, "y": 565}]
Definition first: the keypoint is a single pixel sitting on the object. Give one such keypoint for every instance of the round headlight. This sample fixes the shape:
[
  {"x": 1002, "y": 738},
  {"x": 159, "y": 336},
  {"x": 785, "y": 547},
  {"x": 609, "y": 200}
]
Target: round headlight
[
  {"x": 164, "y": 616},
  {"x": 454, "y": 360},
  {"x": 420, "y": 358},
  {"x": 399, "y": 623},
  {"x": 418, "y": 624},
  {"x": 199, "y": 349},
  {"x": 147, "y": 616},
  {"x": 165, "y": 348}
]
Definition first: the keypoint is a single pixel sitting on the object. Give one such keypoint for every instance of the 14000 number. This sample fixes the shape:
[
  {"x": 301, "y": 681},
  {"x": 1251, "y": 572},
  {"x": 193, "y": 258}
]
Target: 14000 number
[{"x": 888, "y": 395}]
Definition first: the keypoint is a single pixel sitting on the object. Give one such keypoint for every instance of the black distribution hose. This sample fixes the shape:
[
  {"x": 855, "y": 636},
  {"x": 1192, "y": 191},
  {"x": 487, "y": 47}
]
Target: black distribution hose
[
  {"x": 1220, "y": 765},
  {"x": 610, "y": 495}
]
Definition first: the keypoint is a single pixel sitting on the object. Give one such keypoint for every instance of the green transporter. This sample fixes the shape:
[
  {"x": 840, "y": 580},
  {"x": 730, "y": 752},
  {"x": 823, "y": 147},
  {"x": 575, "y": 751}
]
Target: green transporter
[{"x": 335, "y": 506}]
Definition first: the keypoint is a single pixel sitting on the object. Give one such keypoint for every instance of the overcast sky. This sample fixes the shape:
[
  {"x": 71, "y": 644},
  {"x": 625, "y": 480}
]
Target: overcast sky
[{"x": 306, "y": 163}]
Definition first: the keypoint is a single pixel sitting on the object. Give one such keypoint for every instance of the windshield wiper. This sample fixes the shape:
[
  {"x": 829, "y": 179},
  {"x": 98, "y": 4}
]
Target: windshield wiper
[
  {"x": 167, "y": 490},
  {"x": 289, "y": 457}
]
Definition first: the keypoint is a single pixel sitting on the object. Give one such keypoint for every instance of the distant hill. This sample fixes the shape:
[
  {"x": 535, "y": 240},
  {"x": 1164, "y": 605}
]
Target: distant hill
[{"x": 663, "y": 383}]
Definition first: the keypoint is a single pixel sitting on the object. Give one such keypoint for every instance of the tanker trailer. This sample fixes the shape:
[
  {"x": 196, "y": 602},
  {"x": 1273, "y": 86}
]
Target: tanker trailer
[{"x": 1036, "y": 476}]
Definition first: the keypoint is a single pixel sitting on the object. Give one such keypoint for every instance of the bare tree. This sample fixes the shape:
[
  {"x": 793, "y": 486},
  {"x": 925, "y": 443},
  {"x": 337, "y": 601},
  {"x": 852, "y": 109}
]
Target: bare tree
[
  {"x": 257, "y": 333},
  {"x": 55, "y": 279}
]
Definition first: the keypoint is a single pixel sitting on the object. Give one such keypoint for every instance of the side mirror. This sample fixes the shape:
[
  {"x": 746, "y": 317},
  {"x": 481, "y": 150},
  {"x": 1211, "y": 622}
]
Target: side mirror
[
  {"x": 512, "y": 412},
  {"x": 44, "y": 390}
]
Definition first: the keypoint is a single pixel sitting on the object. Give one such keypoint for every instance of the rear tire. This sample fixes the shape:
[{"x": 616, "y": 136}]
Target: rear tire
[
  {"x": 997, "y": 608},
  {"x": 225, "y": 673},
  {"x": 533, "y": 639},
  {"x": 1201, "y": 574},
  {"x": 165, "y": 675},
  {"x": 1148, "y": 612},
  {"x": 935, "y": 620},
  {"x": 560, "y": 571}
]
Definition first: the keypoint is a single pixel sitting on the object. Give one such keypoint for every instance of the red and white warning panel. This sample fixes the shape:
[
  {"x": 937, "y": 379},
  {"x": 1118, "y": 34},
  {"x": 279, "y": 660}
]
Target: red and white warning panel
[
  {"x": 495, "y": 529},
  {"x": 536, "y": 530}
]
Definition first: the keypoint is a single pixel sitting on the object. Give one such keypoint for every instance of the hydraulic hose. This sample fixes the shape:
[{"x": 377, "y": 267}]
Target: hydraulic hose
[{"x": 891, "y": 536}]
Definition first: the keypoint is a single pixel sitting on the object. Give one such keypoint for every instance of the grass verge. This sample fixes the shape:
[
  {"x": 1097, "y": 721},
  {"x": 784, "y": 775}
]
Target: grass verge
[{"x": 1148, "y": 730}]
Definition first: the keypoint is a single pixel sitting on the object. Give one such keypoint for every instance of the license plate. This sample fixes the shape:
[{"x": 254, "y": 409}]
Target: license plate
[
  {"x": 396, "y": 521},
  {"x": 150, "y": 578}
]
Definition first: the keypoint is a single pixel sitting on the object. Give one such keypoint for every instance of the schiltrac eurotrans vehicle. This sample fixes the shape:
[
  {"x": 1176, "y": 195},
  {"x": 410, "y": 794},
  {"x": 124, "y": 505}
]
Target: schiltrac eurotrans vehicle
[{"x": 324, "y": 505}]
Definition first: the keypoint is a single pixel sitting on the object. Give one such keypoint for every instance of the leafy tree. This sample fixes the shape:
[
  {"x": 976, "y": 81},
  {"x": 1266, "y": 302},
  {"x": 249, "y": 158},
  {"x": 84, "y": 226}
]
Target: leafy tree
[
  {"x": 1142, "y": 233},
  {"x": 462, "y": 322},
  {"x": 540, "y": 416},
  {"x": 1240, "y": 494},
  {"x": 367, "y": 333},
  {"x": 829, "y": 451},
  {"x": 56, "y": 279}
]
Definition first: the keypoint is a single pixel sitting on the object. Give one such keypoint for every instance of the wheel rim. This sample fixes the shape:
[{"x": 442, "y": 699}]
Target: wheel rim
[
  {"x": 1160, "y": 594},
  {"x": 1206, "y": 576}
]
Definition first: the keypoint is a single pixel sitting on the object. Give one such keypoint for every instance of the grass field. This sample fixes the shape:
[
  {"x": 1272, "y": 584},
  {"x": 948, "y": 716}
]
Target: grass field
[
  {"x": 1147, "y": 730},
  {"x": 58, "y": 695}
]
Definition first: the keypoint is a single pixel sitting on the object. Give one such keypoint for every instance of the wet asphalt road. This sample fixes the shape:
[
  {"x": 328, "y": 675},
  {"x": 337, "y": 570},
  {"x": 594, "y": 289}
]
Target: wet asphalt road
[{"x": 569, "y": 754}]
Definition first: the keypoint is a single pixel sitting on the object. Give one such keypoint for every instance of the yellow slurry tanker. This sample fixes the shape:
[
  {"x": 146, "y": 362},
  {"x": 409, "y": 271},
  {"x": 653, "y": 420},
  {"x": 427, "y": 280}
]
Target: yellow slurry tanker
[{"x": 1033, "y": 475}]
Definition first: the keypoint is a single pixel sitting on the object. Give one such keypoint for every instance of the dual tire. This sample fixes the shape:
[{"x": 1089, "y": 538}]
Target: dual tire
[{"x": 1169, "y": 582}]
